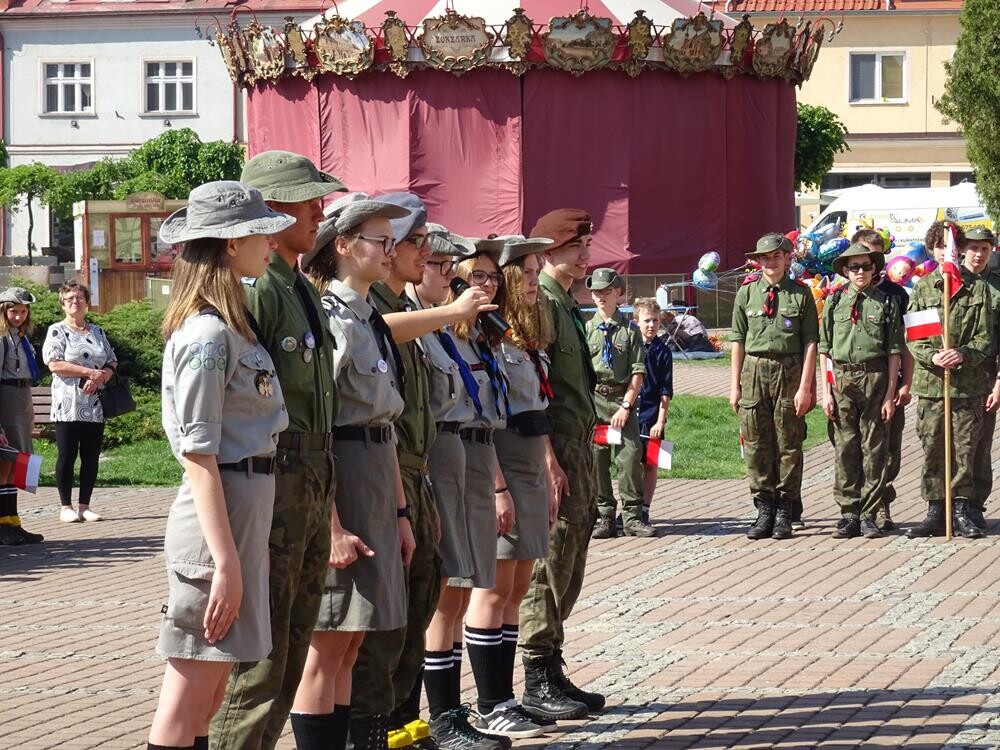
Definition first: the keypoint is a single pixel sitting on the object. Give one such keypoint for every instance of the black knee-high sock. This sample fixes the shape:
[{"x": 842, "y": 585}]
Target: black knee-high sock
[
  {"x": 322, "y": 731},
  {"x": 200, "y": 743},
  {"x": 8, "y": 502},
  {"x": 151, "y": 746},
  {"x": 409, "y": 709},
  {"x": 438, "y": 666},
  {"x": 508, "y": 651},
  {"x": 484, "y": 645},
  {"x": 456, "y": 674}
]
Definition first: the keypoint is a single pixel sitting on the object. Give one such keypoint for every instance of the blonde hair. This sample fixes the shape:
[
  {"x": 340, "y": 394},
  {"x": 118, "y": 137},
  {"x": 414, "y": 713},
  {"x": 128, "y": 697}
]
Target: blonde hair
[
  {"x": 27, "y": 326},
  {"x": 202, "y": 279},
  {"x": 463, "y": 328},
  {"x": 647, "y": 304},
  {"x": 531, "y": 326}
]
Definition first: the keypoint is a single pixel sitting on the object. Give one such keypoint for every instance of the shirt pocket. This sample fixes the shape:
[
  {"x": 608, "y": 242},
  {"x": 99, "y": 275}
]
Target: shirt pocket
[
  {"x": 874, "y": 323},
  {"x": 367, "y": 361},
  {"x": 254, "y": 378},
  {"x": 790, "y": 319}
]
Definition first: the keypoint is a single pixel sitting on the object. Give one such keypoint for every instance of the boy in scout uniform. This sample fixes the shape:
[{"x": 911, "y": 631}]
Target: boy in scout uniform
[
  {"x": 287, "y": 307},
  {"x": 775, "y": 330},
  {"x": 862, "y": 338},
  {"x": 979, "y": 245},
  {"x": 557, "y": 580},
  {"x": 971, "y": 327},
  {"x": 617, "y": 356}
]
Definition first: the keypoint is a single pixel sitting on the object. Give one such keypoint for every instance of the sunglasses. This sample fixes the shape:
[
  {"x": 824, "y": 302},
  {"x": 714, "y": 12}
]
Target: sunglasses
[
  {"x": 418, "y": 240},
  {"x": 860, "y": 267}
]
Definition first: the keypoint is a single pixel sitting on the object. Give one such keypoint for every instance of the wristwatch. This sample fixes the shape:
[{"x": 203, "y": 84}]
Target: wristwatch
[
  {"x": 404, "y": 512},
  {"x": 626, "y": 405}
]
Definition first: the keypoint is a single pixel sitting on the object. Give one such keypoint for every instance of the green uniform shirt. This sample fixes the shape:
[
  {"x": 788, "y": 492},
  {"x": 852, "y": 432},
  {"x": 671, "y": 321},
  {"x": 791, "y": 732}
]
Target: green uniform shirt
[
  {"x": 627, "y": 353},
  {"x": 793, "y": 327},
  {"x": 415, "y": 428},
  {"x": 992, "y": 280},
  {"x": 308, "y": 387},
  {"x": 971, "y": 327},
  {"x": 571, "y": 375},
  {"x": 876, "y": 334}
]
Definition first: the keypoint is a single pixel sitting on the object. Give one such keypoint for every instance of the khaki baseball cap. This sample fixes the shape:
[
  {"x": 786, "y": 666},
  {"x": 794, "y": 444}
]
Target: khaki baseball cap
[{"x": 288, "y": 178}]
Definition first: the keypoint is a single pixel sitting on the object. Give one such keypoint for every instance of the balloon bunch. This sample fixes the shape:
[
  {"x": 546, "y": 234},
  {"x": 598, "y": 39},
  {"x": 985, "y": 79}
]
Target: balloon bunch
[
  {"x": 705, "y": 277},
  {"x": 905, "y": 264}
]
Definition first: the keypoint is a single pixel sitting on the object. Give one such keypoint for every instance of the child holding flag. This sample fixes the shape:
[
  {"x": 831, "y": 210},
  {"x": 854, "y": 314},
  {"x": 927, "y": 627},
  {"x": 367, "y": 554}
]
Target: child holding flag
[
  {"x": 970, "y": 318},
  {"x": 654, "y": 398},
  {"x": 860, "y": 342}
]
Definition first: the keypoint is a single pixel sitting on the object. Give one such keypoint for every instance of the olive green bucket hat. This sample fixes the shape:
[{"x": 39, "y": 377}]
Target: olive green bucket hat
[
  {"x": 288, "y": 178},
  {"x": 603, "y": 278},
  {"x": 771, "y": 242},
  {"x": 854, "y": 252},
  {"x": 980, "y": 234},
  {"x": 517, "y": 246}
]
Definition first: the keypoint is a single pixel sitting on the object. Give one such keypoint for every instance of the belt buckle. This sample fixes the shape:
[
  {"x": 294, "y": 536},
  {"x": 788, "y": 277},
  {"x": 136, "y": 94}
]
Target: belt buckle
[
  {"x": 328, "y": 441},
  {"x": 385, "y": 433},
  {"x": 488, "y": 436},
  {"x": 249, "y": 467},
  {"x": 272, "y": 464}
]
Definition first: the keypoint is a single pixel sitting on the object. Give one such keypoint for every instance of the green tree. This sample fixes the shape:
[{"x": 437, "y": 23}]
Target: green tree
[
  {"x": 96, "y": 183},
  {"x": 27, "y": 183},
  {"x": 820, "y": 136},
  {"x": 972, "y": 94}
]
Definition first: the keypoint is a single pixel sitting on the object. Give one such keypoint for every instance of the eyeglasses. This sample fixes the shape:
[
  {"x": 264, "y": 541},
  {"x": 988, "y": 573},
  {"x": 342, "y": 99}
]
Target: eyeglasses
[
  {"x": 481, "y": 277},
  {"x": 860, "y": 267},
  {"x": 444, "y": 267},
  {"x": 80, "y": 300},
  {"x": 418, "y": 240},
  {"x": 386, "y": 243}
]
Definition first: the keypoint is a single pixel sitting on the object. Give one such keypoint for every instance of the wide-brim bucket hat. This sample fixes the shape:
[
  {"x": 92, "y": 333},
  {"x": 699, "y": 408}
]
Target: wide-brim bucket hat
[
  {"x": 288, "y": 178},
  {"x": 517, "y": 246},
  {"x": 348, "y": 213},
  {"x": 855, "y": 251},
  {"x": 16, "y": 295},
  {"x": 225, "y": 210},
  {"x": 443, "y": 242}
]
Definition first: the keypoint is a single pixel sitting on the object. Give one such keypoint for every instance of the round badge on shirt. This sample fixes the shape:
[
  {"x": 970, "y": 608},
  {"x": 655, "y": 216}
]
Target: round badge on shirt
[{"x": 383, "y": 366}]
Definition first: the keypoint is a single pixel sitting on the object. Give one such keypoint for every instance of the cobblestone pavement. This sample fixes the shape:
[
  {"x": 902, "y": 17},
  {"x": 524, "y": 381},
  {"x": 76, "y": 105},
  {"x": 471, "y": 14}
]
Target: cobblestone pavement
[{"x": 699, "y": 637}]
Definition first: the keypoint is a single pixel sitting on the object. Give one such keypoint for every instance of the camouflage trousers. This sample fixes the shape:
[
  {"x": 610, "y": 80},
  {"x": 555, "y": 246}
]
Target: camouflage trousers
[
  {"x": 860, "y": 441},
  {"x": 628, "y": 458},
  {"x": 557, "y": 579},
  {"x": 259, "y": 694},
  {"x": 390, "y": 661},
  {"x": 894, "y": 455},
  {"x": 772, "y": 433},
  {"x": 982, "y": 468},
  {"x": 966, "y": 428}
]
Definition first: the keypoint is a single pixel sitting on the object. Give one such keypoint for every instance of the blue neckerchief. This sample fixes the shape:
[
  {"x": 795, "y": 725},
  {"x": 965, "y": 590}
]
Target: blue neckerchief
[
  {"x": 609, "y": 332},
  {"x": 29, "y": 354},
  {"x": 497, "y": 380},
  {"x": 471, "y": 384}
]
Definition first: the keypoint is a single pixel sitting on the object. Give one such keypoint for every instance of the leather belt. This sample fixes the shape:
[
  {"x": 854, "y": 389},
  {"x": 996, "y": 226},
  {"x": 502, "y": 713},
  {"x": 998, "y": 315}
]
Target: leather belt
[
  {"x": 380, "y": 433},
  {"x": 873, "y": 365},
  {"x": 306, "y": 441},
  {"x": 774, "y": 355},
  {"x": 616, "y": 389},
  {"x": 452, "y": 428},
  {"x": 255, "y": 465},
  {"x": 16, "y": 382},
  {"x": 412, "y": 461},
  {"x": 478, "y": 435}
]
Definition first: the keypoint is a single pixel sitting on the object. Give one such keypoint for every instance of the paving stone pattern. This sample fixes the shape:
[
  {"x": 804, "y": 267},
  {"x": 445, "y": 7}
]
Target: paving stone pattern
[{"x": 700, "y": 637}]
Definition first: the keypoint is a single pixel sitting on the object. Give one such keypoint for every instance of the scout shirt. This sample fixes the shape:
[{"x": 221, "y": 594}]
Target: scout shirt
[
  {"x": 627, "y": 352},
  {"x": 221, "y": 395},
  {"x": 971, "y": 328},
  {"x": 449, "y": 401},
  {"x": 794, "y": 326},
  {"x": 308, "y": 386},
  {"x": 494, "y": 404},
  {"x": 992, "y": 280},
  {"x": 524, "y": 390},
  {"x": 14, "y": 365},
  {"x": 366, "y": 374},
  {"x": 571, "y": 373},
  {"x": 876, "y": 334},
  {"x": 415, "y": 428}
]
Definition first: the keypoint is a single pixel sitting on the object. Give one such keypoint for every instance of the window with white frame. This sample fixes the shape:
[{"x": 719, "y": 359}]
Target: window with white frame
[
  {"x": 878, "y": 77},
  {"x": 67, "y": 88},
  {"x": 169, "y": 87}
]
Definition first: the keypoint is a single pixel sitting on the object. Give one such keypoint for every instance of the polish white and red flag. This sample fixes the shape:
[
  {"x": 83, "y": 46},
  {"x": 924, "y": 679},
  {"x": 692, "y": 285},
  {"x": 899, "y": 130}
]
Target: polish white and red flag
[
  {"x": 923, "y": 324},
  {"x": 830, "y": 377},
  {"x": 27, "y": 468},
  {"x": 605, "y": 434},
  {"x": 659, "y": 453},
  {"x": 950, "y": 262}
]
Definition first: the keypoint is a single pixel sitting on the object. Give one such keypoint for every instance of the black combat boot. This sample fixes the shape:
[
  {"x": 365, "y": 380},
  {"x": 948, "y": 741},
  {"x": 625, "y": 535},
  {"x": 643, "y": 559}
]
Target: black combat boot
[
  {"x": 593, "y": 701},
  {"x": 977, "y": 515},
  {"x": 964, "y": 525},
  {"x": 933, "y": 525},
  {"x": 764, "y": 524},
  {"x": 544, "y": 698},
  {"x": 370, "y": 734},
  {"x": 782, "y": 520}
]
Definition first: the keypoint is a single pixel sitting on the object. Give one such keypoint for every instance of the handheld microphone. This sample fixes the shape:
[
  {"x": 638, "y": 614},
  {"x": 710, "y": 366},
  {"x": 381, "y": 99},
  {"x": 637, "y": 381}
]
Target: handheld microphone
[{"x": 493, "y": 319}]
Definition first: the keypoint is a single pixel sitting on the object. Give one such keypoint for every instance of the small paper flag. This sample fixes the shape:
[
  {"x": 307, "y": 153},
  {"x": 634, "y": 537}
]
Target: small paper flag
[
  {"x": 605, "y": 434},
  {"x": 659, "y": 453}
]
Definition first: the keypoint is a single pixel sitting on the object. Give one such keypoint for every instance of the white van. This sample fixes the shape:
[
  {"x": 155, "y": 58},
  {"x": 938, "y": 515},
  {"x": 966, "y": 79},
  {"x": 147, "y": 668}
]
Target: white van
[{"x": 905, "y": 212}]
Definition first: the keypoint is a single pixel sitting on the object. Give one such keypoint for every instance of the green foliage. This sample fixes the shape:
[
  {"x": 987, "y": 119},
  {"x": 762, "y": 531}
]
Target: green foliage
[
  {"x": 146, "y": 463},
  {"x": 820, "y": 136},
  {"x": 26, "y": 183},
  {"x": 972, "y": 94},
  {"x": 134, "y": 331},
  {"x": 4, "y": 158},
  {"x": 145, "y": 423},
  {"x": 97, "y": 183}
]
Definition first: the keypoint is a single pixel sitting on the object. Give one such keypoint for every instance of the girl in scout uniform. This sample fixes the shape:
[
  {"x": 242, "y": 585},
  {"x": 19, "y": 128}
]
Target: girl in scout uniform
[
  {"x": 371, "y": 538},
  {"x": 18, "y": 370},
  {"x": 222, "y": 412},
  {"x": 525, "y": 502},
  {"x": 468, "y": 402}
]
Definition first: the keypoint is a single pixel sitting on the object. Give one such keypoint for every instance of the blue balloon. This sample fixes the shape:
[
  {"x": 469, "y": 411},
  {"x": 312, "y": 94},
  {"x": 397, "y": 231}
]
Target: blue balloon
[
  {"x": 830, "y": 250},
  {"x": 707, "y": 281},
  {"x": 917, "y": 252}
]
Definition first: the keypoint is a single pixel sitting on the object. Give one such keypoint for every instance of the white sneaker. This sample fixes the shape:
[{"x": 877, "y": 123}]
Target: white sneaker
[
  {"x": 89, "y": 515},
  {"x": 68, "y": 515}
]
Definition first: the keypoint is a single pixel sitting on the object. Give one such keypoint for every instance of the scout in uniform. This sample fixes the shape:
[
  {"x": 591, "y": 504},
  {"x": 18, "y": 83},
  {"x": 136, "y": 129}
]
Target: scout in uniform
[
  {"x": 222, "y": 412},
  {"x": 862, "y": 338},
  {"x": 556, "y": 581},
  {"x": 875, "y": 242},
  {"x": 18, "y": 370},
  {"x": 525, "y": 504},
  {"x": 775, "y": 330},
  {"x": 617, "y": 356},
  {"x": 979, "y": 245},
  {"x": 972, "y": 324},
  {"x": 287, "y": 308},
  {"x": 372, "y": 540}
]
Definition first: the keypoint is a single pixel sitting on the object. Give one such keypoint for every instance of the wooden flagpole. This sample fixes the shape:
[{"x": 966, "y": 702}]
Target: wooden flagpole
[{"x": 945, "y": 345}]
